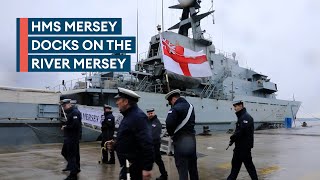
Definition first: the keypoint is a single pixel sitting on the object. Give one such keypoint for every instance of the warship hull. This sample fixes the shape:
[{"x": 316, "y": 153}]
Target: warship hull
[
  {"x": 219, "y": 114},
  {"x": 29, "y": 132}
]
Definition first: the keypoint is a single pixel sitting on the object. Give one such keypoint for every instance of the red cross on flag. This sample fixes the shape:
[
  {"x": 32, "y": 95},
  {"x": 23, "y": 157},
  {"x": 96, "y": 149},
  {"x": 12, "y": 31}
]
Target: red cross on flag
[{"x": 184, "y": 61}]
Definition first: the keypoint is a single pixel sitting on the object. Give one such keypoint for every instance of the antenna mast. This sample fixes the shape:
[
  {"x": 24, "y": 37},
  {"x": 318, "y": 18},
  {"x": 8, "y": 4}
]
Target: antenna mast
[
  {"x": 137, "y": 31},
  {"x": 162, "y": 16}
]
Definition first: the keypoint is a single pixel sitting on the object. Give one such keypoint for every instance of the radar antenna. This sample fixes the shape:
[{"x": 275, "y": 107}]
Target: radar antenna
[{"x": 191, "y": 19}]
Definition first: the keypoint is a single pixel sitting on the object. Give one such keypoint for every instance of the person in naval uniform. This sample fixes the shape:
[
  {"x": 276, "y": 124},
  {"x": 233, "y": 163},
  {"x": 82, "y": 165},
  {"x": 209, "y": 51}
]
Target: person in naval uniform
[
  {"x": 156, "y": 128},
  {"x": 107, "y": 128},
  {"x": 134, "y": 140},
  {"x": 243, "y": 139},
  {"x": 180, "y": 123},
  {"x": 72, "y": 134}
]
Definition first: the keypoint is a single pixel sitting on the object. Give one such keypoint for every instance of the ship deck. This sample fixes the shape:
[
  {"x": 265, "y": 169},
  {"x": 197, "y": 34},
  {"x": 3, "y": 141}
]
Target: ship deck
[{"x": 278, "y": 154}]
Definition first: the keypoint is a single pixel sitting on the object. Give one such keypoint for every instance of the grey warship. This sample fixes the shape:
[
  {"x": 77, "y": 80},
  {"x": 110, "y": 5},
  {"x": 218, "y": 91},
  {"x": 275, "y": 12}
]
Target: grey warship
[{"x": 212, "y": 96}]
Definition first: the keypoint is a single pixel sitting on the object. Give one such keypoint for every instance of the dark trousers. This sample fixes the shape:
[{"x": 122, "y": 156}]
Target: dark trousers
[
  {"x": 239, "y": 157},
  {"x": 105, "y": 153},
  {"x": 135, "y": 171},
  {"x": 185, "y": 156},
  {"x": 158, "y": 159},
  {"x": 70, "y": 151},
  {"x": 78, "y": 156}
]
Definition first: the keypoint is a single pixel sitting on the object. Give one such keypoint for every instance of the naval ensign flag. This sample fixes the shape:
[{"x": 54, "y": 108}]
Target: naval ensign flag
[{"x": 184, "y": 61}]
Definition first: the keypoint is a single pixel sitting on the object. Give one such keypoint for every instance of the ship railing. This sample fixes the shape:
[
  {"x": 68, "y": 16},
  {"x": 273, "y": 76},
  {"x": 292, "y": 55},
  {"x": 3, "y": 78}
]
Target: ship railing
[
  {"x": 157, "y": 88},
  {"x": 143, "y": 85},
  {"x": 205, "y": 89},
  {"x": 143, "y": 56},
  {"x": 208, "y": 90},
  {"x": 148, "y": 54},
  {"x": 224, "y": 53},
  {"x": 67, "y": 85},
  {"x": 87, "y": 82}
]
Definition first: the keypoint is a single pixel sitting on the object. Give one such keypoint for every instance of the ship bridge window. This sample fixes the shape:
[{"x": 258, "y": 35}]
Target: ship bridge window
[{"x": 153, "y": 51}]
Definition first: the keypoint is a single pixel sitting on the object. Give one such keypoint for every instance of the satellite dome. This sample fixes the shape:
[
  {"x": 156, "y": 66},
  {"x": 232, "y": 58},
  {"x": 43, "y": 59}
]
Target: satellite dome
[{"x": 185, "y": 3}]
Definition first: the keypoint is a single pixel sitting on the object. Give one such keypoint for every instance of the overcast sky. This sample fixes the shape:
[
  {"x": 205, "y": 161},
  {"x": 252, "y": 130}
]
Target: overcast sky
[{"x": 277, "y": 38}]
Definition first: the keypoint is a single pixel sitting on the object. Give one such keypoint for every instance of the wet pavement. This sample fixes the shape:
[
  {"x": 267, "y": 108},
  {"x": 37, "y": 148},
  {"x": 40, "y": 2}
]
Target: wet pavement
[{"x": 279, "y": 154}]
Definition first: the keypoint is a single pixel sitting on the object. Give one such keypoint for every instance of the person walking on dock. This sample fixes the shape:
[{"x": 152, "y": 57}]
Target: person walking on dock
[
  {"x": 72, "y": 134},
  {"x": 243, "y": 139},
  {"x": 134, "y": 140},
  {"x": 156, "y": 128}
]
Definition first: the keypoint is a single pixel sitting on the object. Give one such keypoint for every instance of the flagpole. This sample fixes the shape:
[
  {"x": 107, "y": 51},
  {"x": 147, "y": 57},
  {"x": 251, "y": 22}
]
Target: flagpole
[
  {"x": 167, "y": 79},
  {"x": 161, "y": 46},
  {"x": 162, "y": 16},
  {"x": 137, "y": 31}
]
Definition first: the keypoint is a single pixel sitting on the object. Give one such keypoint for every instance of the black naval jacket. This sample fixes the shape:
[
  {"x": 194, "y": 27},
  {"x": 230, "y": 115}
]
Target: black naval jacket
[
  {"x": 243, "y": 135},
  {"x": 156, "y": 128},
  {"x": 107, "y": 126},
  {"x": 134, "y": 140},
  {"x": 176, "y": 115},
  {"x": 73, "y": 128}
]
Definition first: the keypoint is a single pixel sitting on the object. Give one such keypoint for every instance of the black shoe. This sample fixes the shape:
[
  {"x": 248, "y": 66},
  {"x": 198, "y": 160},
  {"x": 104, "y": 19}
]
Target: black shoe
[
  {"x": 162, "y": 177},
  {"x": 66, "y": 169},
  {"x": 71, "y": 178},
  {"x": 111, "y": 162},
  {"x": 79, "y": 170}
]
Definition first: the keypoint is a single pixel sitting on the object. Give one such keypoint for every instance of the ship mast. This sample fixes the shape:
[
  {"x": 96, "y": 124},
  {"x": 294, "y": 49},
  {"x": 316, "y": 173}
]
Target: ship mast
[
  {"x": 191, "y": 19},
  {"x": 137, "y": 31},
  {"x": 162, "y": 16}
]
